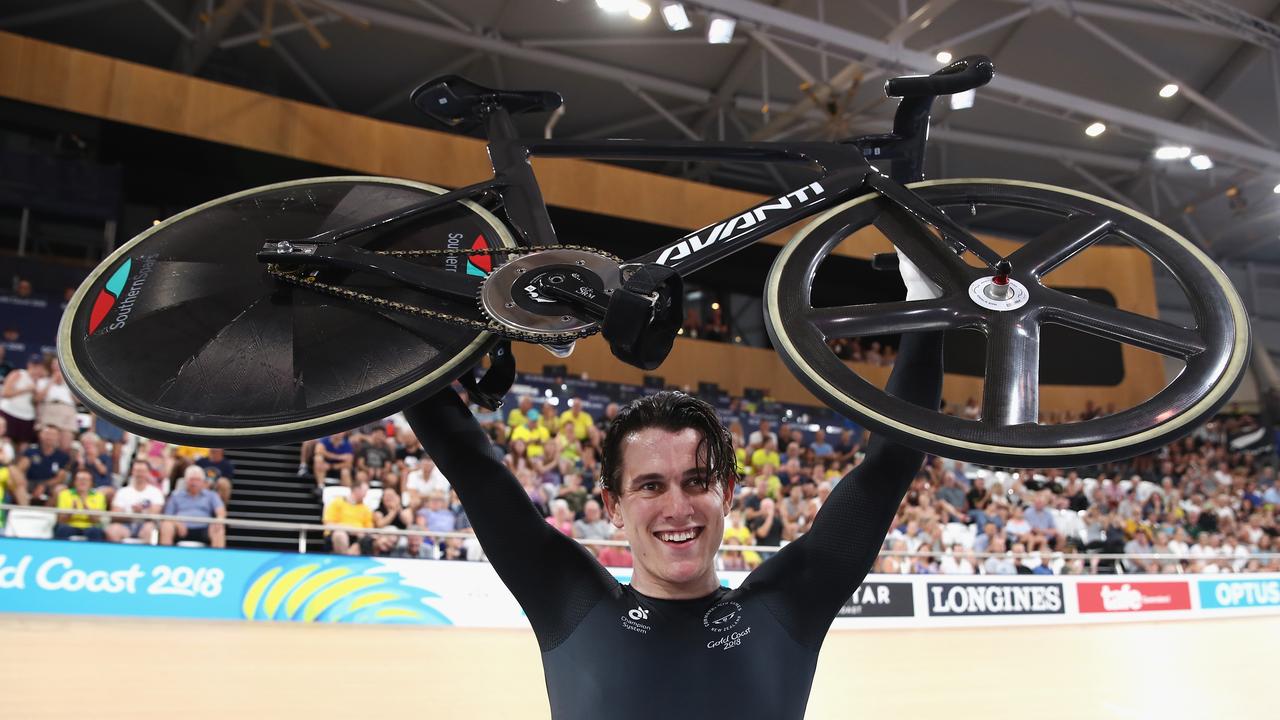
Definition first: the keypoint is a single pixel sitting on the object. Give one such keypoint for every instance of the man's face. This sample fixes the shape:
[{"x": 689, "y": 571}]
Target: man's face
[
  {"x": 673, "y": 516},
  {"x": 140, "y": 474},
  {"x": 592, "y": 511},
  {"x": 358, "y": 491},
  {"x": 82, "y": 482},
  {"x": 48, "y": 437}
]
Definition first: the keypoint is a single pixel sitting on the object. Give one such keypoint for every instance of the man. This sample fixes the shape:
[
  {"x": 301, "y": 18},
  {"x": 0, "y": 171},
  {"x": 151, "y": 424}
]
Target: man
[
  {"x": 13, "y": 489},
  {"x": 668, "y": 477},
  {"x": 334, "y": 451},
  {"x": 219, "y": 471},
  {"x": 821, "y": 448},
  {"x": 139, "y": 496},
  {"x": 45, "y": 466},
  {"x": 350, "y": 513},
  {"x": 193, "y": 498},
  {"x": 593, "y": 525},
  {"x": 375, "y": 455},
  {"x": 82, "y": 495}
]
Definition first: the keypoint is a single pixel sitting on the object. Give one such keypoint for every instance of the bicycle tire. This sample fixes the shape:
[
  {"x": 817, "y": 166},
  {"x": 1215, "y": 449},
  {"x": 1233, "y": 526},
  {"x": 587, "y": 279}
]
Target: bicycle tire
[
  {"x": 1211, "y": 373},
  {"x": 180, "y": 335}
]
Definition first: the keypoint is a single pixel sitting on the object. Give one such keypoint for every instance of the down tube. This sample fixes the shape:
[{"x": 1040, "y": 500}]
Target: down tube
[{"x": 713, "y": 242}]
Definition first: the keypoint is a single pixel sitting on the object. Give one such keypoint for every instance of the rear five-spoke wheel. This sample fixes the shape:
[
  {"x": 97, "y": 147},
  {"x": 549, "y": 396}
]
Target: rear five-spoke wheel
[{"x": 1011, "y": 315}]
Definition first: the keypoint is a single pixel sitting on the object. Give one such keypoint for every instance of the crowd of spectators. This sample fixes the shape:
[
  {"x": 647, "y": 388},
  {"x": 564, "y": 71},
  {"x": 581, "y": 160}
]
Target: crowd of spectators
[
  {"x": 52, "y": 454},
  {"x": 1206, "y": 504},
  {"x": 1213, "y": 508}
]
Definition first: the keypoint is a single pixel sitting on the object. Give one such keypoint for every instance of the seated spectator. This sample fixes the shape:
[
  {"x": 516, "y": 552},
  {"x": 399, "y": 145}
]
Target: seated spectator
[
  {"x": 1017, "y": 526},
  {"x": 561, "y": 517},
  {"x": 998, "y": 563},
  {"x": 956, "y": 562},
  {"x": 13, "y": 489},
  {"x": 219, "y": 471},
  {"x": 55, "y": 405},
  {"x": 573, "y": 493},
  {"x": 375, "y": 455},
  {"x": 18, "y": 400},
  {"x": 333, "y": 453},
  {"x": 193, "y": 498},
  {"x": 45, "y": 466},
  {"x": 593, "y": 525},
  {"x": 616, "y": 556},
  {"x": 414, "y": 546},
  {"x": 95, "y": 459},
  {"x": 139, "y": 496},
  {"x": 436, "y": 516},
  {"x": 8, "y": 452},
  {"x": 390, "y": 514},
  {"x": 80, "y": 496},
  {"x": 821, "y": 448},
  {"x": 350, "y": 512}
]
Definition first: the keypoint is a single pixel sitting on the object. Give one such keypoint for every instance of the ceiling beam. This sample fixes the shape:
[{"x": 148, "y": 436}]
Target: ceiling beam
[
  {"x": 1146, "y": 18},
  {"x": 888, "y": 55},
  {"x": 194, "y": 53}
]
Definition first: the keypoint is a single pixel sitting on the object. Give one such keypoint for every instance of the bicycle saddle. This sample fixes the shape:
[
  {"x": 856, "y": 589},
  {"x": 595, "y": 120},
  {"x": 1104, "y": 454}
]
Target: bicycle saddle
[{"x": 455, "y": 100}]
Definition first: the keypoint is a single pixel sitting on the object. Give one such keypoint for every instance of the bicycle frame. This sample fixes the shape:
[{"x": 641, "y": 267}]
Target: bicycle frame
[{"x": 845, "y": 169}]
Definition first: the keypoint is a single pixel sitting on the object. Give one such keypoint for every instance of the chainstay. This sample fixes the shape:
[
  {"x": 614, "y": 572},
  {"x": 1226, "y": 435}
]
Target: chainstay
[{"x": 491, "y": 326}]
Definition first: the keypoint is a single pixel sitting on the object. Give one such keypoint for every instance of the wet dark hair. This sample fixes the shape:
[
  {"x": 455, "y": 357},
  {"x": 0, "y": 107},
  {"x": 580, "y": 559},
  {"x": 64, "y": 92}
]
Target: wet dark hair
[{"x": 673, "y": 411}]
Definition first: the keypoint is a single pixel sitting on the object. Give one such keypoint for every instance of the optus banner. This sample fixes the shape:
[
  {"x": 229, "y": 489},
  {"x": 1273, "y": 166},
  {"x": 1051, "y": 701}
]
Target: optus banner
[
  {"x": 1239, "y": 593},
  {"x": 1109, "y": 597},
  {"x": 995, "y": 598}
]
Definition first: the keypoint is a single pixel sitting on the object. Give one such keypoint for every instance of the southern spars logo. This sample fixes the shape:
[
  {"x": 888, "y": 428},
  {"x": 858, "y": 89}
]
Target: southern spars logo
[
  {"x": 478, "y": 265},
  {"x": 723, "y": 617},
  {"x": 115, "y": 300}
]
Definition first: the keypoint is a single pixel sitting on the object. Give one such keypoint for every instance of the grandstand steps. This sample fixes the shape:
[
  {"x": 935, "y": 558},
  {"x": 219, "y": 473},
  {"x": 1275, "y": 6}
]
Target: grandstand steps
[{"x": 267, "y": 487}]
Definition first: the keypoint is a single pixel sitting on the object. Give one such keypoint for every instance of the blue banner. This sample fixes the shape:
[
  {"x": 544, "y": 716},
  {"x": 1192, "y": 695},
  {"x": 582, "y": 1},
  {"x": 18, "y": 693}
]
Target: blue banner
[
  {"x": 1262, "y": 592},
  {"x": 79, "y": 578}
]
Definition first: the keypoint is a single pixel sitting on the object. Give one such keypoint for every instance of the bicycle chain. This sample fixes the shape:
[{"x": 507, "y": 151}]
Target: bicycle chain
[{"x": 307, "y": 280}]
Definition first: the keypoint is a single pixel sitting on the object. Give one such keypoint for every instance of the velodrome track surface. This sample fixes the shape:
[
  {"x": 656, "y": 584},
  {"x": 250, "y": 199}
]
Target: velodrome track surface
[{"x": 90, "y": 668}]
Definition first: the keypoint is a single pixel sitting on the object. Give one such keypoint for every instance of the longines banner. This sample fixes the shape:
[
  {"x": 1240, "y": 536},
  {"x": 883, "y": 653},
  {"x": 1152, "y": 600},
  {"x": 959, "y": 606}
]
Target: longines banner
[{"x": 995, "y": 598}]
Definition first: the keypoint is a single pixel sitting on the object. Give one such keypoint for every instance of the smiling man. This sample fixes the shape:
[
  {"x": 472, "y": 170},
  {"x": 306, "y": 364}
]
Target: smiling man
[{"x": 668, "y": 474}]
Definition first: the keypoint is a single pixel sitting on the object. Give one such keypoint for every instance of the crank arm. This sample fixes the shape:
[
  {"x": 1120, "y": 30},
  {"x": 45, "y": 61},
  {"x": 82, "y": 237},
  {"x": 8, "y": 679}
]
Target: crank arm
[{"x": 438, "y": 282}]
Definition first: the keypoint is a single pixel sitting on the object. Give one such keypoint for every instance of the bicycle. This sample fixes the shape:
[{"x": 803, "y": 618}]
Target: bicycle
[{"x": 296, "y": 309}]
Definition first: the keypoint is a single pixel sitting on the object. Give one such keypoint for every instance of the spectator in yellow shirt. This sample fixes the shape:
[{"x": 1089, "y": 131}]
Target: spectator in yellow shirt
[
  {"x": 520, "y": 414},
  {"x": 582, "y": 423},
  {"x": 766, "y": 455},
  {"x": 350, "y": 512},
  {"x": 533, "y": 434},
  {"x": 80, "y": 496}
]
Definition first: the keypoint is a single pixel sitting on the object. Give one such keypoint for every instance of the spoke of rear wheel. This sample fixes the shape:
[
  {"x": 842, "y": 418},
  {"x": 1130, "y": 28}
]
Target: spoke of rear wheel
[
  {"x": 887, "y": 318},
  {"x": 928, "y": 252},
  {"x": 1051, "y": 249},
  {"x": 1122, "y": 326},
  {"x": 1011, "y": 389}
]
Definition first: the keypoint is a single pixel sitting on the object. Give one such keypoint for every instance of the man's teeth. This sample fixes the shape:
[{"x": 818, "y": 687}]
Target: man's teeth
[{"x": 680, "y": 536}]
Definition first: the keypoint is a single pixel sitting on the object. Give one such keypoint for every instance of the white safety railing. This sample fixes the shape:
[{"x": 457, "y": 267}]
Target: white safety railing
[{"x": 306, "y": 529}]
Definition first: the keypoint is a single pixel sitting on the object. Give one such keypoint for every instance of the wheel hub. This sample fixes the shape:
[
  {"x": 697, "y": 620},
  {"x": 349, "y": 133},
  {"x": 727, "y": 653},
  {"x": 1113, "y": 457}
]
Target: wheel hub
[{"x": 1002, "y": 297}]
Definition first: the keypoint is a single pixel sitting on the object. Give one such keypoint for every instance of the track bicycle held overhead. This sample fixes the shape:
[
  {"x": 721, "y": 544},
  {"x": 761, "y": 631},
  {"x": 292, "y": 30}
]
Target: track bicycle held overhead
[{"x": 296, "y": 309}]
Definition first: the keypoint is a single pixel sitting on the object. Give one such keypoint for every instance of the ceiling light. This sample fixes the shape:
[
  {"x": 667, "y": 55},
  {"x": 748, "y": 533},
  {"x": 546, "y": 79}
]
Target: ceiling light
[
  {"x": 944, "y": 57},
  {"x": 1173, "y": 152},
  {"x": 1095, "y": 129},
  {"x": 613, "y": 6},
  {"x": 1168, "y": 91},
  {"x": 1201, "y": 162},
  {"x": 675, "y": 17},
  {"x": 1276, "y": 189},
  {"x": 639, "y": 10},
  {"x": 715, "y": 306},
  {"x": 720, "y": 31},
  {"x": 963, "y": 100}
]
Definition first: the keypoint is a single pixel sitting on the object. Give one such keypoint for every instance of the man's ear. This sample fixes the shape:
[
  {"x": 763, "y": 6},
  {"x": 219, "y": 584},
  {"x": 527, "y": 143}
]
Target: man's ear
[
  {"x": 612, "y": 507},
  {"x": 729, "y": 485}
]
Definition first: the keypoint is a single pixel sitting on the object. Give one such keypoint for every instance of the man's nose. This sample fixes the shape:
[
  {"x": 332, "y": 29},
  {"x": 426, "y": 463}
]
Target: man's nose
[{"x": 678, "y": 503}]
